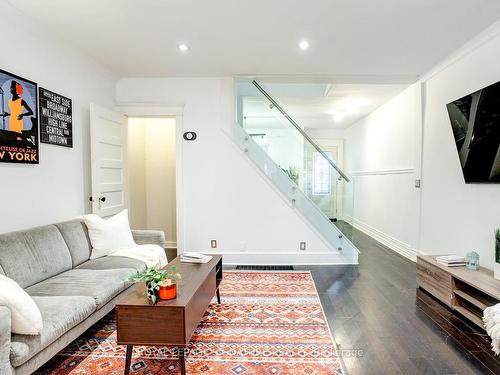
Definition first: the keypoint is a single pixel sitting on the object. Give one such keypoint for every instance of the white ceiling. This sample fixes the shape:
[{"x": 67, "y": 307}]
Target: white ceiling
[
  {"x": 227, "y": 37},
  {"x": 327, "y": 106}
]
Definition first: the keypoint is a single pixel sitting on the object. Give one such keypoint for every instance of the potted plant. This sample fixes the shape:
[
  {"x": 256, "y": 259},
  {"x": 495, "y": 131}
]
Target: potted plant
[
  {"x": 155, "y": 278},
  {"x": 292, "y": 173},
  {"x": 497, "y": 255}
]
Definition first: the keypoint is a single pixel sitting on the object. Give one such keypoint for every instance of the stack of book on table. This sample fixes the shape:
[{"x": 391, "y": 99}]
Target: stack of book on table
[
  {"x": 451, "y": 260},
  {"x": 195, "y": 258}
]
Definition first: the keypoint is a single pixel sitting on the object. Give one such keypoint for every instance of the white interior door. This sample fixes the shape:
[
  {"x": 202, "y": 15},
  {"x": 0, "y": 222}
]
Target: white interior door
[
  {"x": 108, "y": 153},
  {"x": 334, "y": 147}
]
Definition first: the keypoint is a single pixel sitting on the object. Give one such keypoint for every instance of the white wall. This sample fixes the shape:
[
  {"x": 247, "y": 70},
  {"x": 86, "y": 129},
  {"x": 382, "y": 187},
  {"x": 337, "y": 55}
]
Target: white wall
[
  {"x": 57, "y": 188},
  {"x": 224, "y": 197},
  {"x": 151, "y": 167},
  {"x": 450, "y": 216},
  {"x": 325, "y": 133},
  {"x": 380, "y": 156},
  {"x": 457, "y": 217},
  {"x": 160, "y": 177},
  {"x": 136, "y": 163},
  {"x": 279, "y": 142}
]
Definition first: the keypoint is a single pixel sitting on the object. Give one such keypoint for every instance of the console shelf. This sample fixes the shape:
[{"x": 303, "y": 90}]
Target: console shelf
[
  {"x": 465, "y": 291},
  {"x": 469, "y": 315},
  {"x": 470, "y": 298}
]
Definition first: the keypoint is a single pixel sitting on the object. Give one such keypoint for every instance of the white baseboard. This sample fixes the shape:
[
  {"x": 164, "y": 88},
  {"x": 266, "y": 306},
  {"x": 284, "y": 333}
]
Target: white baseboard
[
  {"x": 286, "y": 258},
  {"x": 171, "y": 244},
  {"x": 392, "y": 243}
]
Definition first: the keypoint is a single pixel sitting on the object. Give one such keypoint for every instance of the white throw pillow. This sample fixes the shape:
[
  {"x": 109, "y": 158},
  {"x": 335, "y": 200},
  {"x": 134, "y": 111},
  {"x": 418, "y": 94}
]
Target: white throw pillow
[
  {"x": 25, "y": 314},
  {"x": 108, "y": 235}
]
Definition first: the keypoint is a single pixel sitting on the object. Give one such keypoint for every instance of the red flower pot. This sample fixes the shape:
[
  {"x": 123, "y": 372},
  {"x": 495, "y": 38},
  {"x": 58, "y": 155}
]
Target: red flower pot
[{"x": 168, "y": 291}]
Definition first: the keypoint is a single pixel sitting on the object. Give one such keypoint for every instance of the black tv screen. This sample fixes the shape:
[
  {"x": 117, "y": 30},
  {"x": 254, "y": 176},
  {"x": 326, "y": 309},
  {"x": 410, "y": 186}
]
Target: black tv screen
[{"x": 475, "y": 121}]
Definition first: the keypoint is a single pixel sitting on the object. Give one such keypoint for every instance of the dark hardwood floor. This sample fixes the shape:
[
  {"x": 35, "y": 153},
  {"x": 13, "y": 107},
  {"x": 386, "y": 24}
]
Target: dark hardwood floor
[{"x": 383, "y": 324}]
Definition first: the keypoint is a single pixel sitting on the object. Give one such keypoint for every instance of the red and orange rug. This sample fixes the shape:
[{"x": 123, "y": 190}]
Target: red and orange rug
[{"x": 268, "y": 323}]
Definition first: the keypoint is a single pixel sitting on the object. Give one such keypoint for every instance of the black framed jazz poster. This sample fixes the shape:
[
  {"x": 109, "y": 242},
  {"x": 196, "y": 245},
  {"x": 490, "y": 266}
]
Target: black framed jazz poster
[
  {"x": 56, "y": 121},
  {"x": 18, "y": 119}
]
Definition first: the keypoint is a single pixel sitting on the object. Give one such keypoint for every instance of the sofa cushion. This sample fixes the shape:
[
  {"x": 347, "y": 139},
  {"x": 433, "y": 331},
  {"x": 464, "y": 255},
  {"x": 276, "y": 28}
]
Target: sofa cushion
[
  {"x": 107, "y": 235},
  {"x": 107, "y": 263},
  {"x": 76, "y": 235},
  {"x": 34, "y": 255},
  {"x": 59, "y": 314},
  {"x": 102, "y": 285},
  {"x": 25, "y": 315}
]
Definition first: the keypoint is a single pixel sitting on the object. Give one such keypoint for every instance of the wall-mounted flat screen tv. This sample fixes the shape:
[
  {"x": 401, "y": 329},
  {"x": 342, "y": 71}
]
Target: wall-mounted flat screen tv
[{"x": 475, "y": 121}]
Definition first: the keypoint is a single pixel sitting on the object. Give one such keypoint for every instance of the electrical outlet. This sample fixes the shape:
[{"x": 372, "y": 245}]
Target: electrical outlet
[
  {"x": 243, "y": 246},
  {"x": 302, "y": 246},
  {"x": 213, "y": 244}
]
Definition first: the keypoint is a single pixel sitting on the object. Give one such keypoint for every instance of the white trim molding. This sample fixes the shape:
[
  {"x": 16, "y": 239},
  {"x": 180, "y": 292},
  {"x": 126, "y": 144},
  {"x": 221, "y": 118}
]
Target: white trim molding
[
  {"x": 334, "y": 79},
  {"x": 164, "y": 110},
  {"x": 171, "y": 244},
  {"x": 392, "y": 243},
  {"x": 383, "y": 172},
  {"x": 149, "y": 110}
]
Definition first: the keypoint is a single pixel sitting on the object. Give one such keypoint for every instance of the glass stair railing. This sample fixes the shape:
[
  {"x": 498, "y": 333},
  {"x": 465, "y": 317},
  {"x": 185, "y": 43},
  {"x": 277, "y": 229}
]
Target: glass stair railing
[{"x": 307, "y": 175}]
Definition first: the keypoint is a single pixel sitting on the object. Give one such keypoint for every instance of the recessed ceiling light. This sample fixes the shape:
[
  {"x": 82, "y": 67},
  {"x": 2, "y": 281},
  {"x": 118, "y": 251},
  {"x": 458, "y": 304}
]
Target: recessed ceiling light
[
  {"x": 183, "y": 47},
  {"x": 338, "y": 115},
  {"x": 303, "y": 45}
]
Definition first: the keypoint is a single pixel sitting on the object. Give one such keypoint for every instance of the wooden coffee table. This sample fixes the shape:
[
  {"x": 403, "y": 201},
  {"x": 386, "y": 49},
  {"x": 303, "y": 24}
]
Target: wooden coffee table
[{"x": 169, "y": 322}]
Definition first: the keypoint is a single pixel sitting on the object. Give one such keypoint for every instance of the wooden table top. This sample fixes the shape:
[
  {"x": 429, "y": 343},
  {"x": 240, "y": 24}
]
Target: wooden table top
[{"x": 192, "y": 276}]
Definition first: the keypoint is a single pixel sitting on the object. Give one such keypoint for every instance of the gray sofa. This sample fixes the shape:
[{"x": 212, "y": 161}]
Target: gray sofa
[{"x": 52, "y": 265}]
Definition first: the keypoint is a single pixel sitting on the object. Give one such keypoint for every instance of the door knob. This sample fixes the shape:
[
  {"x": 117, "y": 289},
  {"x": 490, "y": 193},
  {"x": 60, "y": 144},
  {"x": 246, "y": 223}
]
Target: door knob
[{"x": 102, "y": 199}]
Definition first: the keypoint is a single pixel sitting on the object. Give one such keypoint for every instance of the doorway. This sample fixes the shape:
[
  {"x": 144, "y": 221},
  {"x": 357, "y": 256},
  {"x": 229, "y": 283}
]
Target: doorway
[
  {"x": 151, "y": 155},
  {"x": 323, "y": 186}
]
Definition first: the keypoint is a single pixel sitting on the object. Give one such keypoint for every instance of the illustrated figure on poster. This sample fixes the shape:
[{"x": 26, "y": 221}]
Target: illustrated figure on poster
[
  {"x": 18, "y": 119},
  {"x": 18, "y": 110}
]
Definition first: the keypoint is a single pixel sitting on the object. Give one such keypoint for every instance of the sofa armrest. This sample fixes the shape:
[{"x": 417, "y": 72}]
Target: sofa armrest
[
  {"x": 5, "y": 333},
  {"x": 154, "y": 237}
]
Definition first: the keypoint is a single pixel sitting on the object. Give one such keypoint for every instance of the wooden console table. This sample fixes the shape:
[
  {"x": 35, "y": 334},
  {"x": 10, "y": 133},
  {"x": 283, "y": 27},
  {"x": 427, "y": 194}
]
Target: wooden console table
[
  {"x": 465, "y": 291},
  {"x": 169, "y": 322}
]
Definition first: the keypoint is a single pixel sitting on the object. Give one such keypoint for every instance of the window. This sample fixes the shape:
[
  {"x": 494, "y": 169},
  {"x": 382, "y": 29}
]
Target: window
[{"x": 322, "y": 174}]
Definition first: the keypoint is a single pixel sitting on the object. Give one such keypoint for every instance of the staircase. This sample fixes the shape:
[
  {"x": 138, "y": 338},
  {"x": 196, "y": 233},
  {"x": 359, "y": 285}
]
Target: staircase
[{"x": 305, "y": 175}]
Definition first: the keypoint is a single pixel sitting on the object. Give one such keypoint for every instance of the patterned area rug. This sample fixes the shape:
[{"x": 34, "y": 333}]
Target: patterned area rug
[{"x": 268, "y": 323}]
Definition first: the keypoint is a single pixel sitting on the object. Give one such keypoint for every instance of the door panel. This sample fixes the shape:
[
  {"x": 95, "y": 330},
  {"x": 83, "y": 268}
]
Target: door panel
[
  {"x": 331, "y": 204},
  {"x": 108, "y": 150}
]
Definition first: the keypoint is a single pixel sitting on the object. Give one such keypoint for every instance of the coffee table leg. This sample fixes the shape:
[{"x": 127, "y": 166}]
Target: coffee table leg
[
  {"x": 128, "y": 359},
  {"x": 182, "y": 360},
  {"x": 218, "y": 296}
]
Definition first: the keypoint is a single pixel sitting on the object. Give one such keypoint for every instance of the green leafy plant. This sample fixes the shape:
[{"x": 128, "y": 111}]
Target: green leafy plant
[
  {"x": 153, "y": 277},
  {"x": 497, "y": 246},
  {"x": 292, "y": 173}
]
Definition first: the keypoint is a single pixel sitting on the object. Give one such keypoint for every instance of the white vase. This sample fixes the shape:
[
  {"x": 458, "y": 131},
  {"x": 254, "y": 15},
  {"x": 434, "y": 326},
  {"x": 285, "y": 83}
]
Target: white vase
[{"x": 496, "y": 270}]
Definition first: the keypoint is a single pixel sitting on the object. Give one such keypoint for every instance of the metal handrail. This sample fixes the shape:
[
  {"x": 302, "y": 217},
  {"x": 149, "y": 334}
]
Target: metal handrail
[{"x": 304, "y": 134}]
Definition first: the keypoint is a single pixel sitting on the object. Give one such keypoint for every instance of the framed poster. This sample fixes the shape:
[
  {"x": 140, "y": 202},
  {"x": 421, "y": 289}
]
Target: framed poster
[
  {"x": 18, "y": 120},
  {"x": 56, "y": 121}
]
